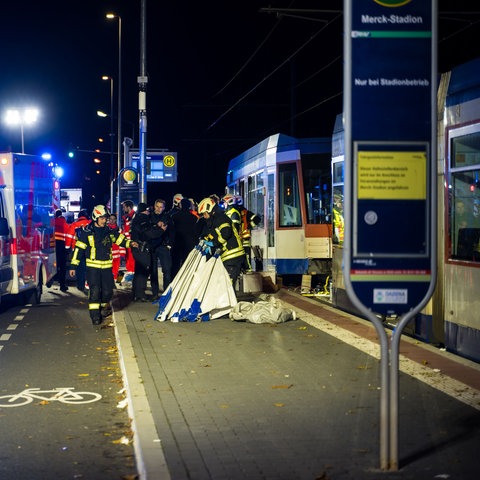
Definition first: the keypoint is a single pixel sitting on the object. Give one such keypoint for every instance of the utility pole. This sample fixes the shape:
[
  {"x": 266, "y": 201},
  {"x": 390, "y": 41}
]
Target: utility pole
[{"x": 142, "y": 101}]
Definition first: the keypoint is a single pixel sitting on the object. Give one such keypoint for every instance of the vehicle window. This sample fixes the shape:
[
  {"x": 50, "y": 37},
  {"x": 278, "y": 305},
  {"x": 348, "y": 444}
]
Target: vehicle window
[{"x": 464, "y": 197}]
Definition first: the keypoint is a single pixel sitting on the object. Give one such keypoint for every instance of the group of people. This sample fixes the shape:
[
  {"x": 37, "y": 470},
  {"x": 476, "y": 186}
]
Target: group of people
[
  {"x": 167, "y": 237},
  {"x": 150, "y": 237}
]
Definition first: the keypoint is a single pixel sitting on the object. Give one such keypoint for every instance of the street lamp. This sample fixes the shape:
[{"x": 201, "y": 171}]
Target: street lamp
[
  {"x": 131, "y": 125},
  {"x": 27, "y": 116},
  {"x": 111, "y": 16},
  {"x": 112, "y": 170}
]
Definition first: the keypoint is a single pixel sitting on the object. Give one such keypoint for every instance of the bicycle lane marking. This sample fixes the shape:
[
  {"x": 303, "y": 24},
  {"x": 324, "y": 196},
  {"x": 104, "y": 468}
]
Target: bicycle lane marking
[
  {"x": 4, "y": 337},
  {"x": 62, "y": 394}
]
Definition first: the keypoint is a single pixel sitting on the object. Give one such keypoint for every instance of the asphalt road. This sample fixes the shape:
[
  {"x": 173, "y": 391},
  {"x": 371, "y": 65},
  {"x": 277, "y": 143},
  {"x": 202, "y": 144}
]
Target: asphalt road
[{"x": 53, "y": 347}]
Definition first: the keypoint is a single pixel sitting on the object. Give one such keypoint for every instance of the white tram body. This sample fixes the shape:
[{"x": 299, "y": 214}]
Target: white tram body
[{"x": 287, "y": 182}]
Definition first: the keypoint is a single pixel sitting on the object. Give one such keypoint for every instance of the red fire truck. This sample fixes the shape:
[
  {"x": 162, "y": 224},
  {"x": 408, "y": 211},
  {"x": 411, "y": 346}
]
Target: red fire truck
[{"x": 29, "y": 196}]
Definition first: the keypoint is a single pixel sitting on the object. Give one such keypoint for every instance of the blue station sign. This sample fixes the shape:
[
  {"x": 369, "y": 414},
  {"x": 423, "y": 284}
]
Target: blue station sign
[
  {"x": 160, "y": 165},
  {"x": 390, "y": 138}
]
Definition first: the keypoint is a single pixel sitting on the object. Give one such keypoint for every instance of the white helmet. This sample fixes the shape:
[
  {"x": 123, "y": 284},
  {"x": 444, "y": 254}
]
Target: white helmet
[
  {"x": 229, "y": 200},
  {"x": 177, "y": 199},
  {"x": 206, "y": 206},
  {"x": 99, "y": 211}
]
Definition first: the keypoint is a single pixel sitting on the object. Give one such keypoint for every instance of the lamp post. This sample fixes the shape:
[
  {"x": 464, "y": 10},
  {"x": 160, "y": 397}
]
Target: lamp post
[
  {"x": 130, "y": 124},
  {"x": 27, "y": 116},
  {"x": 112, "y": 169},
  {"x": 111, "y": 16}
]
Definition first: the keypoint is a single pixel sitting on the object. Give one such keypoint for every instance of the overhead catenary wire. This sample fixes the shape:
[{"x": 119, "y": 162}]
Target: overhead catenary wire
[{"x": 265, "y": 78}]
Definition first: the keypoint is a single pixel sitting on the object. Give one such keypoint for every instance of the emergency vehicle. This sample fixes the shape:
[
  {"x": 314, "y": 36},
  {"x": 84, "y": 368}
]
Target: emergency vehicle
[{"x": 29, "y": 196}]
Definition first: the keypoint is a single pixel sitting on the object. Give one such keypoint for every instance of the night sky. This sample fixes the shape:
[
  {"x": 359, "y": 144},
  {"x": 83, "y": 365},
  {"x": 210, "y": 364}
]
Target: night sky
[{"x": 222, "y": 76}]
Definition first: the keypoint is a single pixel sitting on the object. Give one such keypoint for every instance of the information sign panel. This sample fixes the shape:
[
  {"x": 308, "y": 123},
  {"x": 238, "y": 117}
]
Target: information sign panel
[
  {"x": 160, "y": 166},
  {"x": 390, "y": 121}
]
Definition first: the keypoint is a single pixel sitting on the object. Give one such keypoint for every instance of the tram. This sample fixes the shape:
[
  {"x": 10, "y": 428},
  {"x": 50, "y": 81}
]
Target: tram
[
  {"x": 297, "y": 186},
  {"x": 451, "y": 318},
  {"x": 287, "y": 181}
]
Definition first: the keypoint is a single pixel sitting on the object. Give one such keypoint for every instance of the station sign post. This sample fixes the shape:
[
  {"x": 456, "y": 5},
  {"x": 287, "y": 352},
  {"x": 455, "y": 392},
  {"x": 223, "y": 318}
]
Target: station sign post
[
  {"x": 160, "y": 165},
  {"x": 128, "y": 189},
  {"x": 390, "y": 175}
]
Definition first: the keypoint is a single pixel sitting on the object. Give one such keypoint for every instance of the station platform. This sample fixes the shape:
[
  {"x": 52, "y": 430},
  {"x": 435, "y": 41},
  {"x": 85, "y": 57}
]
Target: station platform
[{"x": 297, "y": 400}]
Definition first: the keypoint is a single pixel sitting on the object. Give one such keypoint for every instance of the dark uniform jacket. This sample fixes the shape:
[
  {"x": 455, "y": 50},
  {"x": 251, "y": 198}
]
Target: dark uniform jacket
[
  {"x": 95, "y": 244},
  {"x": 142, "y": 230},
  {"x": 219, "y": 230}
]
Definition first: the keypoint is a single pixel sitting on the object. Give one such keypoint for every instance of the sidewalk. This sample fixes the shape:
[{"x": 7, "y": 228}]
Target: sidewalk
[{"x": 298, "y": 400}]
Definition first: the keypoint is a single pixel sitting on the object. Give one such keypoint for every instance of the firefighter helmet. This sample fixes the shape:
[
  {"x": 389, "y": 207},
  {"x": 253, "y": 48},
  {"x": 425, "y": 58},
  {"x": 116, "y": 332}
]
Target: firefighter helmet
[
  {"x": 177, "y": 199},
  {"x": 99, "y": 211},
  {"x": 206, "y": 206},
  {"x": 229, "y": 200}
]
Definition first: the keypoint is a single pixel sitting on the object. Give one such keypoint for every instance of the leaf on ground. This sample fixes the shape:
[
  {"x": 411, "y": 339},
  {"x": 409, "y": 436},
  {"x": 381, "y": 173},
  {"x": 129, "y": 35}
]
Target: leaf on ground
[{"x": 121, "y": 441}]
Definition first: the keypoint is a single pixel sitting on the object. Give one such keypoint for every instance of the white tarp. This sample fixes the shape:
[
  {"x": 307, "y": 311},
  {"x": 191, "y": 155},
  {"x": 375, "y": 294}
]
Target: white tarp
[
  {"x": 270, "y": 310},
  {"x": 201, "y": 290}
]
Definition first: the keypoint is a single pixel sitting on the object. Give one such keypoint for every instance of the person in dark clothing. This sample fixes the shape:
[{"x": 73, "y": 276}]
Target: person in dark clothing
[
  {"x": 94, "y": 242},
  {"x": 185, "y": 235},
  {"x": 81, "y": 269},
  {"x": 161, "y": 247},
  {"x": 220, "y": 232},
  {"x": 144, "y": 233},
  {"x": 61, "y": 228}
]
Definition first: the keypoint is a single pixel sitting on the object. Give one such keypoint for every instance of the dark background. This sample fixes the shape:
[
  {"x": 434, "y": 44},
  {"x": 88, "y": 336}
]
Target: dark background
[{"x": 222, "y": 76}]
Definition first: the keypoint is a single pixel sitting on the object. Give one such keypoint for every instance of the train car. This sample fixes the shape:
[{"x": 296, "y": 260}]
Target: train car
[
  {"x": 287, "y": 181},
  {"x": 451, "y": 317}
]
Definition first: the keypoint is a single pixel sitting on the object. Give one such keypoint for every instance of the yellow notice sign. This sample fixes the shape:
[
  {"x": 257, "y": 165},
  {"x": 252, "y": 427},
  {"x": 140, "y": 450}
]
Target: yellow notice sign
[{"x": 392, "y": 175}]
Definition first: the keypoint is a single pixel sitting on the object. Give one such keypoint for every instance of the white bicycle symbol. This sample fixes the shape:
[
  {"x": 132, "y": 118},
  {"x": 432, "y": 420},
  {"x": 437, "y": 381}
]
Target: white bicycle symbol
[{"x": 62, "y": 394}]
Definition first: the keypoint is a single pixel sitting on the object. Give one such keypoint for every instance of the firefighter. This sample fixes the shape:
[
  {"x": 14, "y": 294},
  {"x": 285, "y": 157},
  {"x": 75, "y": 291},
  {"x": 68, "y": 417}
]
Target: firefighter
[
  {"x": 338, "y": 221},
  {"x": 219, "y": 231},
  {"x": 249, "y": 220},
  {"x": 176, "y": 205},
  {"x": 228, "y": 203},
  {"x": 94, "y": 242}
]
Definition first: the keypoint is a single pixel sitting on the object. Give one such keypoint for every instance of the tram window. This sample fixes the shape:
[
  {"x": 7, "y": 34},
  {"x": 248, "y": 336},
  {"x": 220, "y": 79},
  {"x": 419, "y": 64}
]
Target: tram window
[
  {"x": 337, "y": 172},
  {"x": 271, "y": 210},
  {"x": 338, "y": 221},
  {"x": 255, "y": 195},
  {"x": 288, "y": 196},
  {"x": 316, "y": 172},
  {"x": 464, "y": 198}
]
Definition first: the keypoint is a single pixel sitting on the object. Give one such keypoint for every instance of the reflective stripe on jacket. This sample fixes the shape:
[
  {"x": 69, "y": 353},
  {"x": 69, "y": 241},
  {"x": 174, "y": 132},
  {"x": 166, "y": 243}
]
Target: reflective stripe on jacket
[{"x": 95, "y": 244}]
